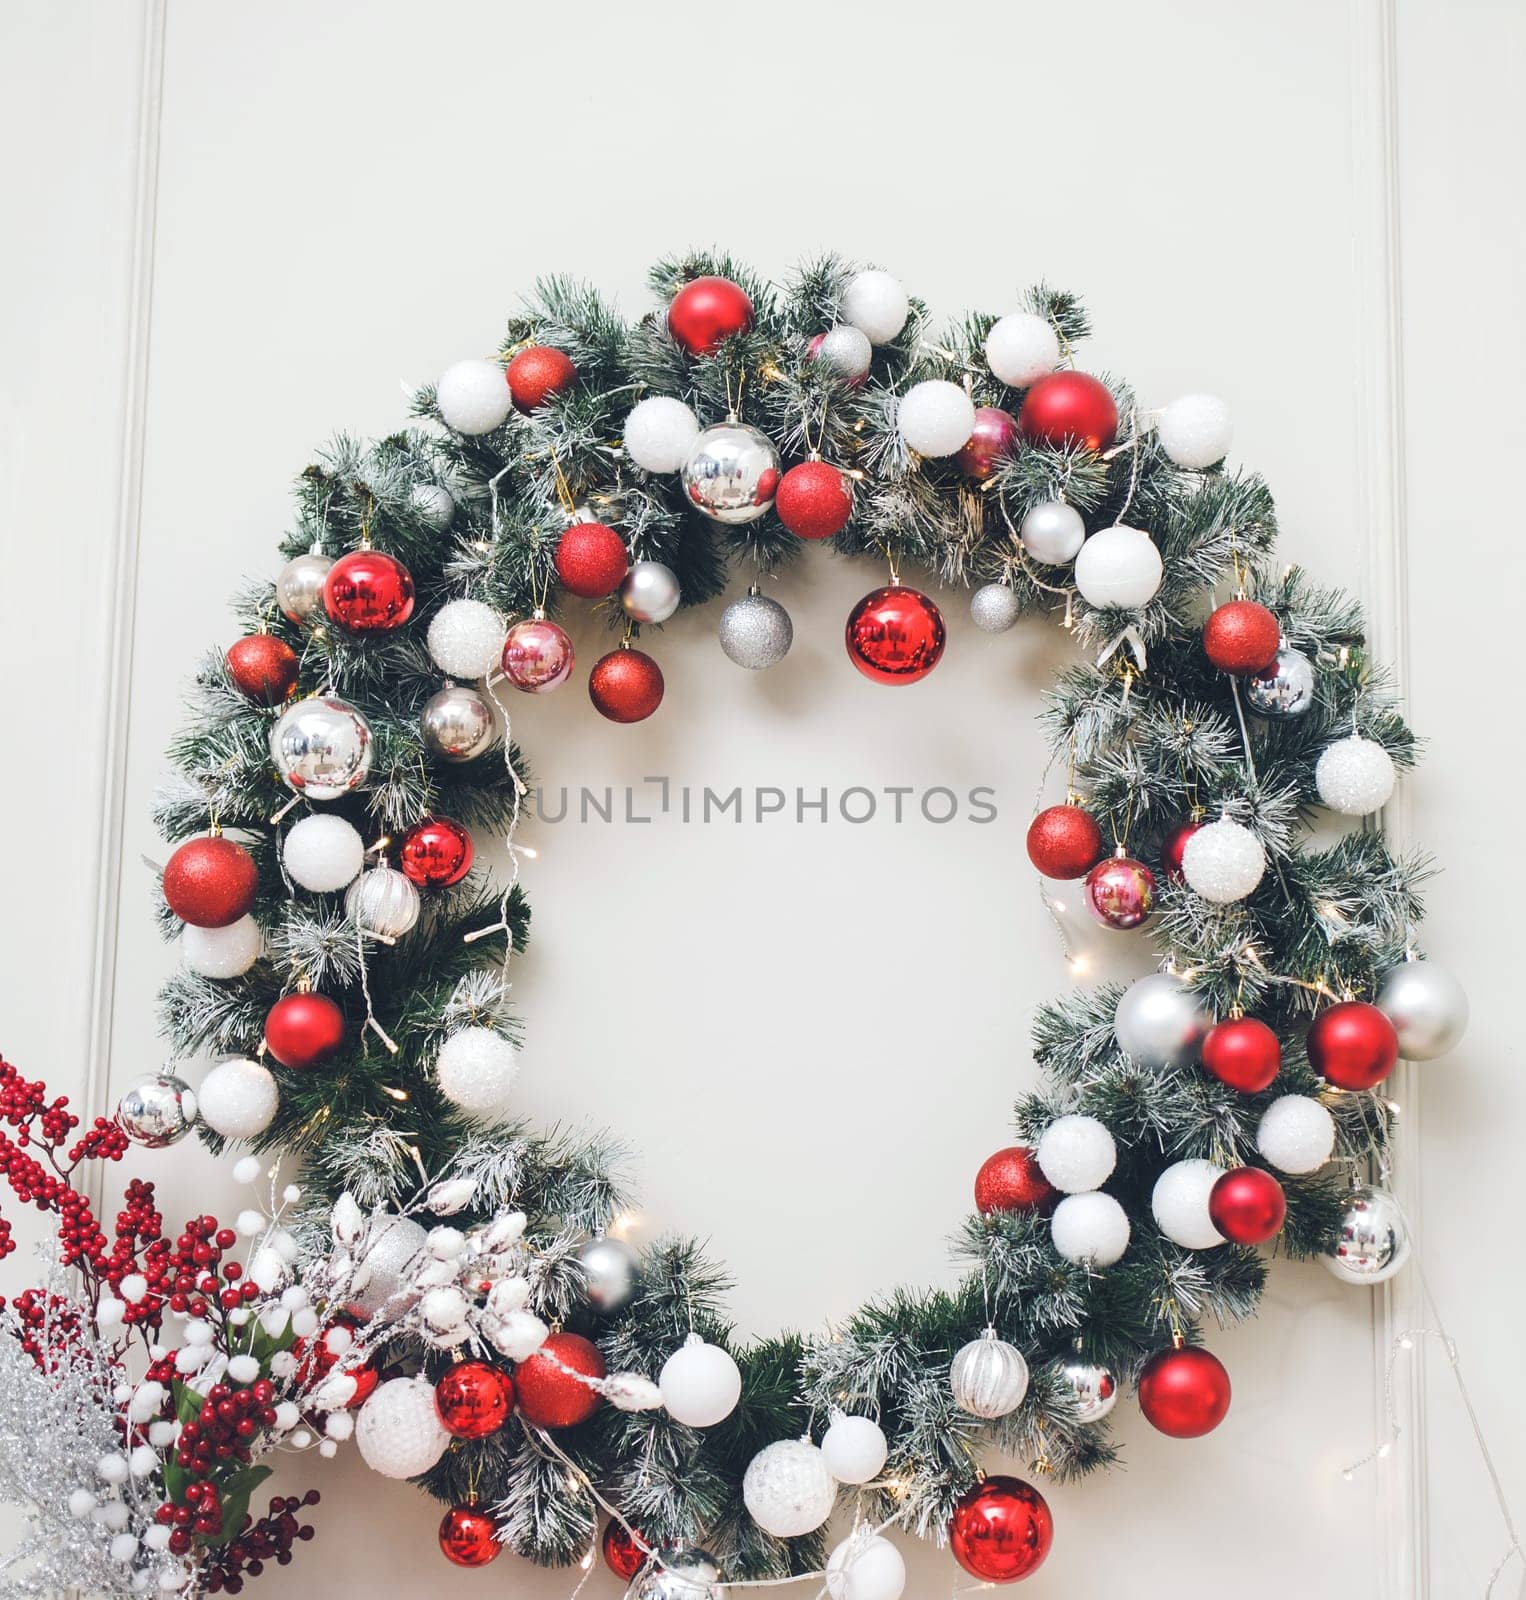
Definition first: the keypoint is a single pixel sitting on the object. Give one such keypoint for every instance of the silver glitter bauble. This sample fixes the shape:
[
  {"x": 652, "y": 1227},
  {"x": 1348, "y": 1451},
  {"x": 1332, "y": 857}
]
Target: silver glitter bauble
[
  {"x": 679, "y": 1573},
  {"x": 994, "y": 607},
  {"x": 1159, "y": 1022},
  {"x": 392, "y": 1250},
  {"x": 1092, "y": 1386},
  {"x": 321, "y": 747},
  {"x": 732, "y": 473},
  {"x": 457, "y": 724},
  {"x": 384, "y": 902},
  {"x": 649, "y": 592},
  {"x": 1373, "y": 1242},
  {"x": 845, "y": 351},
  {"x": 989, "y": 1377},
  {"x": 1285, "y": 689},
  {"x": 1053, "y": 533},
  {"x": 299, "y": 588},
  {"x": 755, "y": 632},
  {"x": 158, "y": 1111},
  {"x": 788, "y": 1490},
  {"x": 611, "y": 1271},
  {"x": 1427, "y": 1006}
]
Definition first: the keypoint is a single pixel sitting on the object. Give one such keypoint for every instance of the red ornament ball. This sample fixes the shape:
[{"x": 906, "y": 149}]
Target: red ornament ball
[
  {"x": 537, "y": 655},
  {"x": 1184, "y": 1392},
  {"x": 814, "y": 500},
  {"x": 435, "y": 853},
  {"x": 994, "y": 439},
  {"x": 1120, "y": 892},
  {"x": 210, "y": 882},
  {"x": 538, "y": 372},
  {"x": 1001, "y": 1530},
  {"x": 626, "y": 685},
  {"x": 1064, "y": 842},
  {"x": 368, "y": 591},
  {"x": 625, "y": 1554},
  {"x": 1241, "y": 637},
  {"x": 550, "y": 1397},
  {"x": 1247, "y": 1205},
  {"x": 1352, "y": 1045},
  {"x": 1172, "y": 846},
  {"x": 1069, "y": 408},
  {"x": 708, "y": 311},
  {"x": 263, "y": 667},
  {"x": 469, "y": 1537},
  {"x": 591, "y": 560},
  {"x": 895, "y": 635},
  {"x": 474, "y": 1399},
  {"x": 1243, "y": 1053},
  {"x": 304, "y": 1030},
  {"x": 1012, "y": 1180}
]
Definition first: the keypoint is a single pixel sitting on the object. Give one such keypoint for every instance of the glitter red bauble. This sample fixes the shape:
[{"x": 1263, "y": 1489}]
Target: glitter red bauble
[
  {"x": 537, "y": 655},
  {"x": 1241, "y": 637},
  {"x": 474, "y": 1399},
  {"x": 994, "y": 439},
  {"x": 1120, "y": 892},
  {"x": 1243, "y": 1053},
  {"x": 1247, "y": 1206},
  {"x": 625, "y": 686},
  {"x": 1352, "y": 1045},
  {"x": 1069, "y": 408},
  {"x": 550, "y": 1397},
  {"x": 591, "y": 560},
  {"x": 1184, "y": 1392},
  {"x": 1172, "y": 846},
  {"x": 435, "y": 853},
  {"x": 210, "y": 882},
  {"x": 469, "y": 1537},
  {"x": 368, "y": 591},
  {"x": 814, "y": 500},
  {"x": 304, "y": 1030},
  {"x": 1012, "y": 1180},
  {"x": 263, "y": 667},
  {"x": 1064, "y": 842},
  {"x": 708, "y": 311},
  {"x": 895, "y": 635},
  {"x": 1001, "y": 1530},
  {"x": 624, "y": 1554},
  {"x": 537, "y": 373}
]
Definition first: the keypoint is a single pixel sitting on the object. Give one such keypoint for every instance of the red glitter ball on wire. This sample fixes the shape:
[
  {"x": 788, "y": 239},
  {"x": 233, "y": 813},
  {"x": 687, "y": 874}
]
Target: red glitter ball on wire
[
  {"x": 210, "y": 882},
  {"x": 538, "y": 372},
  {"x": 1012, "y": 1180},
  {"x": 626, "y": 685},
  {"x": 263, "y": 667},
  {"x": 1241, "y": 637},
  {"x": 368, "y": 591},
  {"x": 550, "y": 1396},
  {"x": 814, "y": 500},
  {"x": 1064, "y": 842},
  {"x": 591, "y": 560}
]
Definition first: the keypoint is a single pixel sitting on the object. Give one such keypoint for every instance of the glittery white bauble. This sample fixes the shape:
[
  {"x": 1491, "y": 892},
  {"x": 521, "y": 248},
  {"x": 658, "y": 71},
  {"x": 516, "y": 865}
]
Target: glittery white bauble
[
  {"x": 399, "y": 1433},
  {"x": 1159, "y": 1022},
  {"x": 1119, "y": 566},
  {"x": 383, "y": 901},
  {"x": 1427, "y": 1006},
  {"x": 221, "y": 952},
  {"x": 466, "y": 639},
  {"x": 1354, "y": 776},
  {"x": 1223, "y": 861},
  {"x": 876, "y": 304},
  {"x": 433, "y": 504},
  {"x": 156, "y": 1112},
  {"x": 755, "y": 631},
  {"x": 1196, "y": 430},
  {"x": 1053, "y": 532},
  {"x": 936, "y": 418},
  {"x": 392, "y": 1250},
  {"x": 660, "y": 433},
  {"x": 649, "y": 592},
  {"x": 1373, "y": 1241},
  {"x": 1090, "y": 1228},
  {"x": 846, "y": 351},
  {"x": 787, "y": 1489},
  {"x": 1021, "y": 348},
  {"x": 321, "y": 747},
  {"x": 238, "y": 1098},
  {"x": 1179, "y": 1203},
  {"x": 1076, "y": 1154},
  {"x": 475, "y": 1070},
  {"x": 700, "y": 1384},
  {"x": 1296, "y": 1134},
  {"x": 323, "y": 853},
  {"x": 866, "y": 1567},
  {"x": 679, "y": 1573},
  {"x": 473, "y": 396},
  {"x": 994, "y": 607},
  {"x": 988, "y": 1377},
  {"x": 854, "y": 1448}
]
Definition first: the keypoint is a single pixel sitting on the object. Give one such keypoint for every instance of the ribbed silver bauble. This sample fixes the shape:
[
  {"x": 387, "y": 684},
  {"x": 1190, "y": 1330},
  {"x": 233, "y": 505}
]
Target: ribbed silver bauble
[
  {"x": 158, "y": 1111},
  {"x": 1094, "y": 1388},
  {"x": 384, "y": 902},
  {"x": 1285, "y": 689},
  {"x": 299, "y": 588},
  {"x": 1373, "y": 1242},
  {"x": 649, "y": 592},
  {"x": 680, "y": 1574},
  {"x": 1159, "y": 1022},
  {"x": 989, "y": 1377},
  {"x": 457, "y": 724},
  {"x": 611, "y": 1271},
  {"x": 732, "y": 473},
  {"x": 755, "y": 632},
  {"x": 321, "y": 747},
  {"x": 1427, "y": 1006}
]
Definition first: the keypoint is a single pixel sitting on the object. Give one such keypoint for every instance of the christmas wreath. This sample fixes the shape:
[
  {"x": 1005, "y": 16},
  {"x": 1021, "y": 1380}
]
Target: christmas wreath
[{"x": 442, "y": 1282}]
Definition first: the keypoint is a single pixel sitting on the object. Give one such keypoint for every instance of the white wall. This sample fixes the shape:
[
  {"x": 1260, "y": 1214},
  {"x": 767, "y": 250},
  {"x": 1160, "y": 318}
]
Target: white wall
[{"x": 348, "y": 195}]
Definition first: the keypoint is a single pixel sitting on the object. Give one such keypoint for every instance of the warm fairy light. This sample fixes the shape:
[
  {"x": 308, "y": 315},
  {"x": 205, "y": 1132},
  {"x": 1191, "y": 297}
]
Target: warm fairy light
[
  {"x": 394, "y": 1093},
  {"x": 1077, "y": 964},
  {"x": 572, "y": 1482},
  {"x": 622, "y": 1224},
  {"x": 1059, "y": 905},
  {"x": 525, "y": 850},
  {"x": 586, "y": 1562}
]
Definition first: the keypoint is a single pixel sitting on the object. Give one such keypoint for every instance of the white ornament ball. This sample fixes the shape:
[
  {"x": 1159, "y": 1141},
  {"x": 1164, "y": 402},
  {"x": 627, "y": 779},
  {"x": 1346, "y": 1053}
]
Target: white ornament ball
[
  {"x": 1296, "y": 1134},
  {"x": 1077, "y": 1154},
  {"x": 994, "y": 607},
  {"x": 866, "y": 1568},
  {"x": 1090, "y": 1229},
  {"x": 1196, "y": 430},
  {"x": 1119, "y": 566},
  {"x": 988, "y": 1377},
  {"x": 788, "y": 1490},
  {"x": 221, "y": 952},
  {"x": 1223, "y": 861},
  {"x": 475, "y": 1070},
  {"x": 1021, "y": 348},
  {"x": 855, "y": 1448},
  {"x": 846, "y": 351},
  {"x": 473, "y": 396},
  {"x": 1159, "y": 1021},
  {"x": 1427, "y": 1006},
  {"x": 659, "y": 434},
  {"x": 466, "y": 639},
  {"x": 1053, "y": 532},
  {"x": 1354, "y": 776},
  {"x": 1179, "y": 1202},
  {"x": 936, "y": 418},
  {"x": 238, "y": 1099},
  {"x": 876, "y": 304},
  {"x": 433, "y": 504},
  {"x": 700, "y": 1384},
  {"x": 323, "y": 853},
  {"x": 399, "y": 1433}
]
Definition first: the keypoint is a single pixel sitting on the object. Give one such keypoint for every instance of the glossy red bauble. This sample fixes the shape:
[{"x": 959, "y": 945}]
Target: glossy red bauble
[
  {"x": 625, "y": 686},
  {"x": 625, "y": 1555},
  {"x": 591, "y": 560},
  {"x": 537, "y": 655},
  {"x": 263, "y": 667},
  {"x": 1172, "y": 846},
  {"x": 1243, "y": 1053},
  {"x": 1120, "y": 892},
  {"x": 469, "y": 1537},
  {"x": 368, "y": 591},
  {"x": 1069, "y": 408},
  {"x": 304, "y": 1030},
  {"x": 895, "y": 635},
  {"x": 1241, "y": 637},
  {"x": 474, "y": 1399},
  {"x": 1352, "y": 1045},
  {"x": 1184, "y": 1392},
  {"x": 1001, "y": 1530},
  {"x": 1064, "y": 842},
  {"x": 1012, "y": 1180},
  {"x": 994, "y": 439},
  {"x": 708, "y": 311},
  {"x": 210, "y": 882},
  {"x": 550, "y": 1397},
  {"x": 1247, "y": 1206},
  {"x": 435, "y": 853},
  {"x": 814, "y": 500},
  {"x": 538, "y": 372}
]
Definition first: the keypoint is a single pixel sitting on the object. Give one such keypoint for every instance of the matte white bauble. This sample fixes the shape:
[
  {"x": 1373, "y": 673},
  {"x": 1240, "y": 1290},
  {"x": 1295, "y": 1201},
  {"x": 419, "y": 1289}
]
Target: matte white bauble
[
  {"x": 238, "y": 1098},
  {"x": 466, "y": 639},
  {"x": 846, "y": 351},
  {"x": 866, "y": 1567},
  {"x": 433, "y": 504},
  {"x": 788, "y": 1490},
  {"x": 936, "y": 418},
  {"x": 1159, "y": 1022},
  {"x": 1179, "y": 1203},
  {"x": 323, "y": 853},
  {"x": 1296, "y": 1134},
  {"x": 473, "y": 397},
  {"x": 1196, "y": 430},
  {"x": 1119, "y": 566},
  {"x": 475, "y": 1070},
  {"x": 1053, "y": 532},
  {"x": 1427, "y": 1006},
  {"x": 399, "y": 1433},
  {"x": 855, "y": 1448},
  {"x": 1090, "y": 1229},
  {"x": 1021, "y": 348},
  {"x": 1354, "y": 776},
  {"x": 876, "y": 304},
  {"x": 659, "y": 433},
  {"x": 221, "y": 952},
  {"x": 1223, "y": 861},
  {"x": 700, "y": 1384},
  {"x": 1077, "y": 1154}
]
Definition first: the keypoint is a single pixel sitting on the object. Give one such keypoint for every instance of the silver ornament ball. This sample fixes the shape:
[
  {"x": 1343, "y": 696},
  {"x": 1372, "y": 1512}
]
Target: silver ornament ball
[
  {"x": 756, "y": 632},
  {"x": 994, "y": 607},
  {"x": 1159, "y": 1022},
  {"x": 321, "y": 747},
  {"x": 649, "y": 592},
  {"x": 383, "y": 902},
  {"x": 732, "y": 473},
  {"x": 679, "y": 1573},
  {"x": 1053, "y": 533},
  {"x": 611, "y": 1272},
  {"x": 299, "y": 588},
  {"x": 158, "y": 1111},
  {"x": 1427, "y": 1006},
  {"x": 392, "y": 1250},
  {"x": 1285, "y": 689},
  {"x": 846, "y": 351},
  {"x": 457, "y": 724},
  {"x": 1373, "y": 1241},
  {"x": 989, "y": 1377},
  {"x": 1091, "y": 1385}
]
